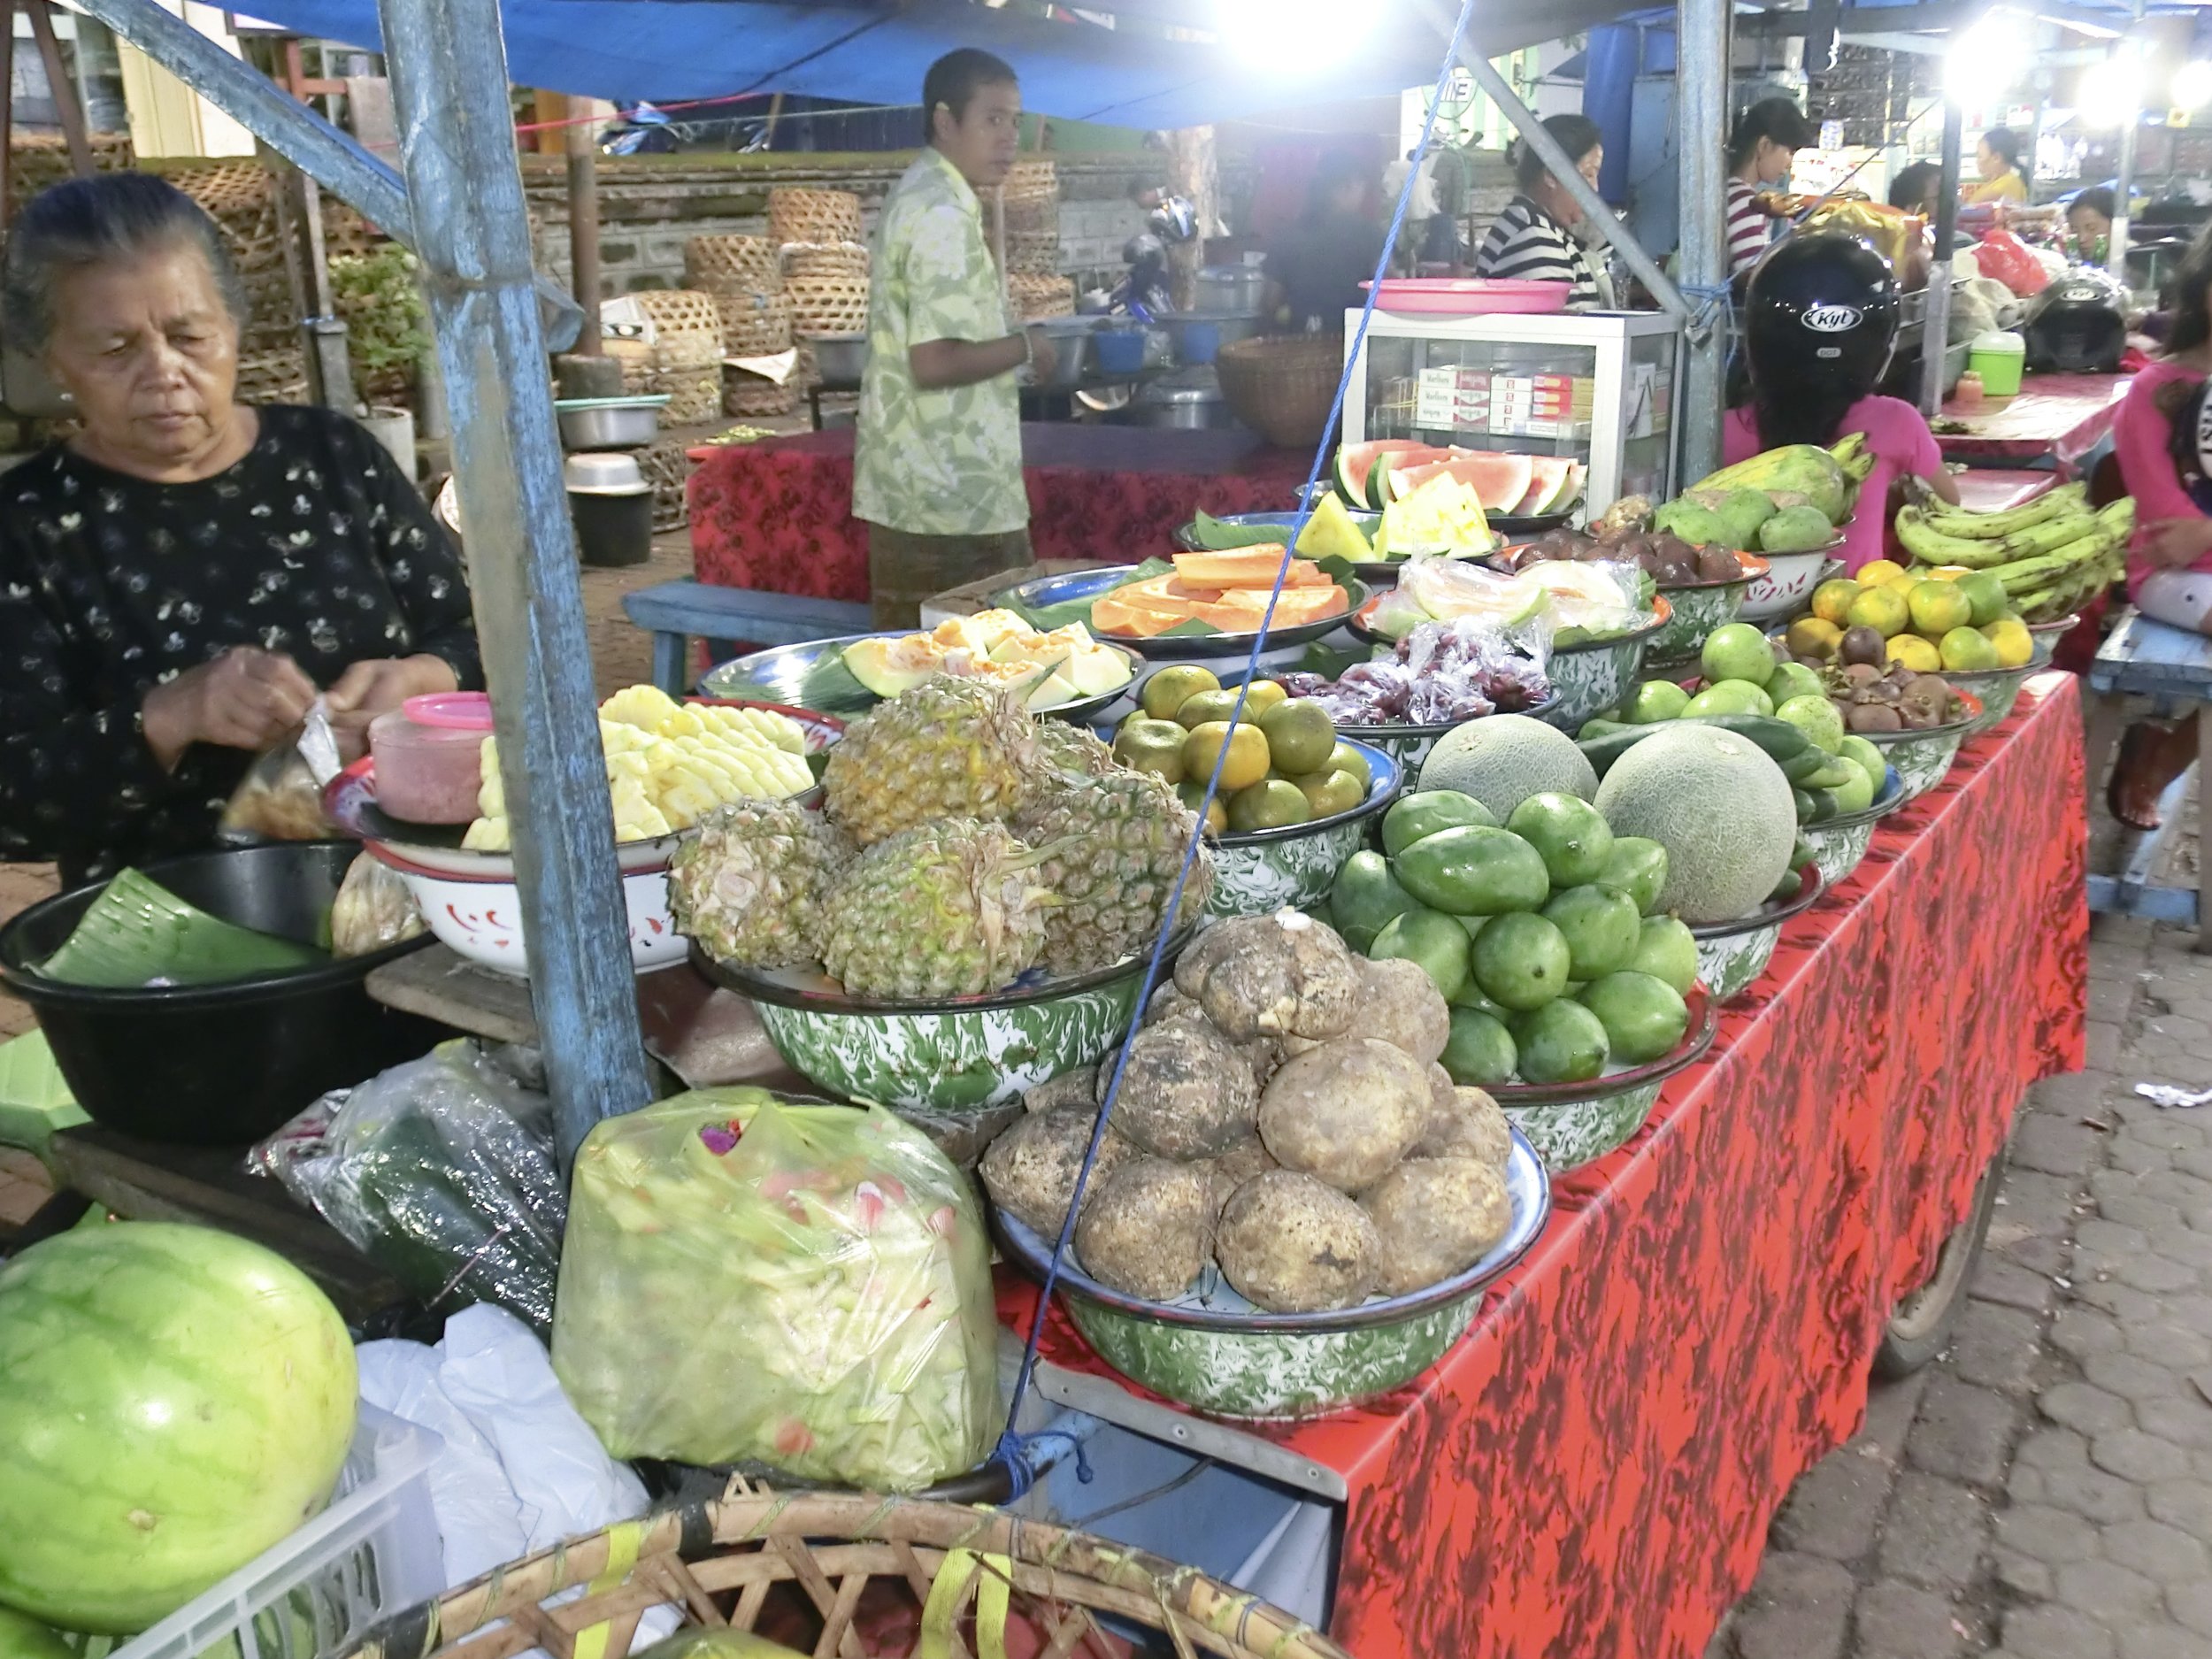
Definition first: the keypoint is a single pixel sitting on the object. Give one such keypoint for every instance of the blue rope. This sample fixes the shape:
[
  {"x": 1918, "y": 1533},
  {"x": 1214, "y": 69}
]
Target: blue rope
[
  {"x": 1028, "y": 1458},
  {"x": 1009, "y": 1452}
]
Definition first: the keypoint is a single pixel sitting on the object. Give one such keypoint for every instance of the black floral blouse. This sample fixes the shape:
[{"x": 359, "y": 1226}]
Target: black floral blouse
[{"x": 315, "y": 544}]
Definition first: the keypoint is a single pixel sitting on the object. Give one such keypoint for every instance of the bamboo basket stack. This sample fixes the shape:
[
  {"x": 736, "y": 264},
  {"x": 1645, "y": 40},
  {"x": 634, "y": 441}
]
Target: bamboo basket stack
[
  {"x": 823, "y": 244},
  {"x": 745, "y": 276},
  {"x": 667, "y": 467},
  {"x": 685, "y": 365},
  {"x": 1031, "y": 203}
]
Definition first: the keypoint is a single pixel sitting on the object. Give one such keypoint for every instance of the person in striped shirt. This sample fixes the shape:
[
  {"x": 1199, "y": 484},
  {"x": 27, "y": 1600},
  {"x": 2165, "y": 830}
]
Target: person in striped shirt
[
  {"x": 1766, "y": 141},
  {"x": 1533, "y": 239}
]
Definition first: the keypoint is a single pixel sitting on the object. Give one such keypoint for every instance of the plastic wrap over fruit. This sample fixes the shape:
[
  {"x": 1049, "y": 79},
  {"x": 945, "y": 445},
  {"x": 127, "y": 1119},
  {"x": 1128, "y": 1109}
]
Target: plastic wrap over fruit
[
  {"x": 750, "y": 1281},
  {"x": 1439, "y": 674}
]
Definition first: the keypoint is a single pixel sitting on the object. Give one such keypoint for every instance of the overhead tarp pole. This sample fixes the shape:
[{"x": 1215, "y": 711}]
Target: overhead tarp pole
[
  {"x": 1935, "y": 326},
  {"x": 449, "y": 71},
  {"x": 1701, "y": 114},
  {"x": 294, "y": 130},
  {"x": 1561, "y": 165}
]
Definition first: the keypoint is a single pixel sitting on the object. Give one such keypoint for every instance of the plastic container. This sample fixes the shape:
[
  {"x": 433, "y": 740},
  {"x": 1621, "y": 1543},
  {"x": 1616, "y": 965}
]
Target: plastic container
[
  {"x": 614, "y": 527},
  {"x": 1997, "y": 358},
  {"x": 429, "y": 758},
  {"x": 1118, "y": 350},
  {"x": 1471, "y": 297},
  {"x": 218, "y": 1064},
  {"x": 374, "y": 1552}
]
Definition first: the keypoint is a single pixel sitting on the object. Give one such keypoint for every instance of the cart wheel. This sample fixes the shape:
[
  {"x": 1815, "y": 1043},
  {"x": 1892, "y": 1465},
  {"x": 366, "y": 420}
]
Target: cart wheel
[{"x": 1921, "y": 1324}]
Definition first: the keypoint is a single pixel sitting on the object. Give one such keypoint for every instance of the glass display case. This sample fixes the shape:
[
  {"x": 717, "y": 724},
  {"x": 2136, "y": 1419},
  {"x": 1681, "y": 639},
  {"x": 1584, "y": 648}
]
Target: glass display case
[{"x": 1597, "y": 386}]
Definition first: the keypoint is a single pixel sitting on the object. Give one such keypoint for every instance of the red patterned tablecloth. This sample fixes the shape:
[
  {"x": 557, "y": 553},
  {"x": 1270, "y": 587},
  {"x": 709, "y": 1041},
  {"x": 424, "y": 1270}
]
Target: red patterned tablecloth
[
  {"x": 2059, "y": 417},
  {"x": 777, "y": 514},
  {"x": 1590, "y": 1473}
]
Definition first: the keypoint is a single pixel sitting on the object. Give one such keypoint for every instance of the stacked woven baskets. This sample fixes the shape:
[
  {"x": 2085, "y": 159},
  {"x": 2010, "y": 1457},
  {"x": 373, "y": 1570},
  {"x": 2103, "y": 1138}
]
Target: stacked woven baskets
[
  {"x": 825, "y": 264},
  {"x": 1031, "y": 196},
  {"x": 745, "y": 276},
  {"x": 685, "y": 365}
]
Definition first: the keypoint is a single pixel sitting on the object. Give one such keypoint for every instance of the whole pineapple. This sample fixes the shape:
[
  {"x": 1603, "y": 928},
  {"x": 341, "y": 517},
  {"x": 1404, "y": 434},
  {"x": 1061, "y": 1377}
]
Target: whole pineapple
[
  {"x": 946, "y": 910},
  {"x": 1062, "y": 748},
  {"x": 1120, "y": 841},
  {"x": 748, "y": 886},
  {"x": 948, "y": 748}
]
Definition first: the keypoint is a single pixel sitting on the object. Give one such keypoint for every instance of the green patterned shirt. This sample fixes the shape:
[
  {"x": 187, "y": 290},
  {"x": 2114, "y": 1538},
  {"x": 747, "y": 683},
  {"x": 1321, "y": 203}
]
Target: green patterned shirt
[{"x": 947, "y": 462}]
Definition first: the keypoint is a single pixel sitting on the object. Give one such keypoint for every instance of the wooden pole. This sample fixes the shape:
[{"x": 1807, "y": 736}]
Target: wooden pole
[
  {"x": 7, "y": 102},
  {"x": 1192, "y": 173},
  {"x": 70, "y": 112},
  {"x": 583, "y": 221},
  {"x": 449, "y": 71}
]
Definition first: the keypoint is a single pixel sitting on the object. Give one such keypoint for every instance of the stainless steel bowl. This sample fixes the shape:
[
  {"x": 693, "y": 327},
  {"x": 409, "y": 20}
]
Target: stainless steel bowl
[
  {"x": 608, "y": 423},
  {"x": 1071, "y": 338},
  {"x": 1230, "y": 289},
  {"x": 840, "y": 358}
]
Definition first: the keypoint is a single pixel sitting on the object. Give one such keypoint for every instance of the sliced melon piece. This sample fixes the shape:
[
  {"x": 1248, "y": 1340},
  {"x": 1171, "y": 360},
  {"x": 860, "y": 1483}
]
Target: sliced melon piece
[
  {"x": 1501, "y": 481},
  {"x": 1550, "y": 475},
  {"x": 1331, "y": 533},
  {"x": 1050, "y": 692},
  {"x": 888, "y": 667},
  {"x": 1355, "y": 467},
  {"x": 1094, "y": 670}
]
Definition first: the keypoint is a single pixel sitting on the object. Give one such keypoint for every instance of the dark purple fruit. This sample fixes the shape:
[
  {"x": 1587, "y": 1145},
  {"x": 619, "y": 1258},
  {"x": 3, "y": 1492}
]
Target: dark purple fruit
[
  {"x": 1861, "y": 644},
  {"x": 1718, "y": 565},
  {"x": 1871, "y": 718}
]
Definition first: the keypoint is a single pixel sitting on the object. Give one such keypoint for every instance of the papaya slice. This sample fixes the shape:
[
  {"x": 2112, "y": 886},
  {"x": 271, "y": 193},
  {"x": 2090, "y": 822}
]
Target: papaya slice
[{"x": 1247, "y": 567}]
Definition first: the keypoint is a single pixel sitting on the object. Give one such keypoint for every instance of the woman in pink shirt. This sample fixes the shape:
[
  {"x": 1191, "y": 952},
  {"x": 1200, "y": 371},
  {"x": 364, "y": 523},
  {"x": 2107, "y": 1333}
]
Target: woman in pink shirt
[
  {"x": 1819, "y": 326},
  {"x": 2162, "y": 439}
]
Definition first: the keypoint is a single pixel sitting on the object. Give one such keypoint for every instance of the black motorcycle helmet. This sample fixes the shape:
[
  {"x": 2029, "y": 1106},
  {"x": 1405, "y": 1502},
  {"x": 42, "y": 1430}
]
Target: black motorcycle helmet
[
  {"x": 2079, "y": 323},
  {"x": 1819, "y": 325}
]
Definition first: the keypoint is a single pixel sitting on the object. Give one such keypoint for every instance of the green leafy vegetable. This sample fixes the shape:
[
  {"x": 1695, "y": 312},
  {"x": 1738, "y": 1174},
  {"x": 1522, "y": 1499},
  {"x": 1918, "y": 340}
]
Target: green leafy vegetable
[
  {"x": 1213, "y": 536},
  {"x": 138, "y": 933},
  {"x": 1045, "y": 618}
]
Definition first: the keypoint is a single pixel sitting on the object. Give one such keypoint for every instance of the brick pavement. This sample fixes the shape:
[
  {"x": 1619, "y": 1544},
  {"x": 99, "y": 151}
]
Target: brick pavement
[{"x": 2044, "y": 1489}]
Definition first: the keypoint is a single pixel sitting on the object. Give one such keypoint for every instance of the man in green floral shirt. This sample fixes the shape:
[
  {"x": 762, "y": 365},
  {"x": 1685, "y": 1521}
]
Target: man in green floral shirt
[{"x": 937, "y": 464}]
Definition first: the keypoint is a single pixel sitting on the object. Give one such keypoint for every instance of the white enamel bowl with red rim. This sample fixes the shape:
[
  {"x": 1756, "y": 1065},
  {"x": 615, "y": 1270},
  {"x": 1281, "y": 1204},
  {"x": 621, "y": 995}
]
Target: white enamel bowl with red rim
[{"x": 470, "y": 898}]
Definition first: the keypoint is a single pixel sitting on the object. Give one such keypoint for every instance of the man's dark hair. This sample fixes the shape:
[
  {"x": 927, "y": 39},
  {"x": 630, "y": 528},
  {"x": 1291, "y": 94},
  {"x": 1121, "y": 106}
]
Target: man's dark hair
[
  {"x": 955, "y": 79},
  {"x": 2098, "y": 200}
]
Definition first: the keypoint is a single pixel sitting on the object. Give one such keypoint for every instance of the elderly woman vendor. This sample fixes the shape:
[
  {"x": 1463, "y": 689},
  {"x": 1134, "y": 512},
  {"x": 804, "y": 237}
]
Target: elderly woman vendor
[{"x": 180, "y": 579}]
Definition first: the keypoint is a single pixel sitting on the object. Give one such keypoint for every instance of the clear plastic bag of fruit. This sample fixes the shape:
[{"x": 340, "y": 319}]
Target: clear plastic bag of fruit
[
  {"x": 751, "y": 1281},
  {"x": 441, "y": 1171}
]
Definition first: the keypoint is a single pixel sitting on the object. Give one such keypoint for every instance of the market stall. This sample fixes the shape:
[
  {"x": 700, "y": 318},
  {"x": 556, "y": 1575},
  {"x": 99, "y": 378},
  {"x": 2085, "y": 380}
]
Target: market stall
[
  {"x": 2058, "y": 419},
  {"x": 777, "y": 514}
]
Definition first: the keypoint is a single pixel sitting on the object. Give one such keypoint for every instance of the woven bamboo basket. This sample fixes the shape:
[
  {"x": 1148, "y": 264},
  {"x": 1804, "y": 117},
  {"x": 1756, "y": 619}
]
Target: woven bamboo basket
[
  {"x": 1034, "y": 215},
  {"x": 1033, "y": 253},
  {"x": 827, "y": 305},
  {"x": 1037, "y": 297},
  {"x": 277, "y": 375},
  {"x": 783, "y": 1566},
  {"x": 687, "y": 326},
  {"x": 636, "y": 358},
  {"x": 745, "y": 392},
  {"x": 733, "y": 265},
  {"x": 1282, "y": 385},
  {"x": 754, "y": 325},
  {"x": 826, "y": 216},
  {"x": 825, "y": 259},
  {"x": 667, "y": 468},
  {"x": 693, "y": 392},
  {"x": 1028, "y": 180},
  {"x": 227, "y": 188}
]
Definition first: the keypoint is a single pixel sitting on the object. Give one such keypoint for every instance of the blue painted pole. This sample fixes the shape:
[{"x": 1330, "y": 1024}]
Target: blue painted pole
[{"x": 448, "y": 70}]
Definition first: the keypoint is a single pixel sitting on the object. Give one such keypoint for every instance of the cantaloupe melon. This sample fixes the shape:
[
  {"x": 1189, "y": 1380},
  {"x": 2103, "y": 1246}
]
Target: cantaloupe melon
[
  {"x": 1503, "y": 759},
  {"x": 1718, "y": 805}
]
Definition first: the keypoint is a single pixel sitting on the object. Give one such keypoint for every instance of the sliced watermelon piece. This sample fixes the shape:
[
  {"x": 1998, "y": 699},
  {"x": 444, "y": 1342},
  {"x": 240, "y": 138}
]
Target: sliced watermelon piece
[
  {"x": 1578, "y": 484},
  {"x": 1499, "y": 480},
  {"x": 1551, "y": 473},
  {"x": 1356, "y": 462}
]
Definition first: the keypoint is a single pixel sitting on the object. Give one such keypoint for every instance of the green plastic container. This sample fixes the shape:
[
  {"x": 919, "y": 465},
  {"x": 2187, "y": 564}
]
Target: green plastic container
[{"x": 1997, "y": 358}]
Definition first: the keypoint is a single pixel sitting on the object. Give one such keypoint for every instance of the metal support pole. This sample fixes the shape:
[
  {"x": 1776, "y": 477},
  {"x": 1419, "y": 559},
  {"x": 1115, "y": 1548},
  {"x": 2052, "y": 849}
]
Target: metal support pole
[
  {"x": 66, "y": 107},
  {"x": 1494, "y": 88},
  {"x": 333, "y": 159},
  {"x": 1935, "y": 327},
  {"x": 2122, "y": 191},
  {"x": 581, "y": 139},
  {"x": 448, "y": 70},
  {"x": 1700, "y": 113}
]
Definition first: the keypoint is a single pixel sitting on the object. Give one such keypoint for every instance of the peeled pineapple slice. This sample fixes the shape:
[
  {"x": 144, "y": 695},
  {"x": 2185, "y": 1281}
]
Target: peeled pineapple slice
[
  {"x": 487, "y": 835},
  {"x": 644, "y": 707}
]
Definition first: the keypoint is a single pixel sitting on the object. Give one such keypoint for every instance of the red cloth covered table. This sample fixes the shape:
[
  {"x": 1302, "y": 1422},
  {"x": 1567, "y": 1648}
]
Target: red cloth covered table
[
  {"x": 777, "y": 514},
  {"x": 2059, "y": 417},
  {"x": 1590, "y": 1473}
]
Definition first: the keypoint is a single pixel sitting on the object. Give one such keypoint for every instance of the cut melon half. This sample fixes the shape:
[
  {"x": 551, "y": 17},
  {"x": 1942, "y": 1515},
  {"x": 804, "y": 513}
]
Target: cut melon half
[
  {"x": 1355, "y": 467},
  {"x": 1549, "y": 476}
]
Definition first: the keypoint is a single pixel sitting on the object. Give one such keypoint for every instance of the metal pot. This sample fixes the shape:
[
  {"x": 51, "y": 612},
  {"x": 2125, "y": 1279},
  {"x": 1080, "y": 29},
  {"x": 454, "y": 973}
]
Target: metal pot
[
  {"x": 1189, "y": 401},
  {"x": 1071, "y": 338},
  {"x": 1187, "y": 333},
  {"x": 1229, "y": 289},
  {"x": 608, "y": 423},
  {"x": 841, "y": 359}
]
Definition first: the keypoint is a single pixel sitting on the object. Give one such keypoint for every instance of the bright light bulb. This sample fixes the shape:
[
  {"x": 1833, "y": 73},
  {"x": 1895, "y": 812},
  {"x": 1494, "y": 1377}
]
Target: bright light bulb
[
  {"x": 2112, "y": 91},
  {"x": 1989, "y": 57},
  {"x": 2192, "y": 84},
  {"x": 1286, "y": 34}
]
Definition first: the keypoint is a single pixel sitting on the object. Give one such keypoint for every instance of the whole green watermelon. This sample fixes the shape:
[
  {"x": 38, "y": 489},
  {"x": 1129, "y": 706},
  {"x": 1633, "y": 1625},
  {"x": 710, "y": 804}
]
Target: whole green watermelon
[{"x": 172, "y": 1401}]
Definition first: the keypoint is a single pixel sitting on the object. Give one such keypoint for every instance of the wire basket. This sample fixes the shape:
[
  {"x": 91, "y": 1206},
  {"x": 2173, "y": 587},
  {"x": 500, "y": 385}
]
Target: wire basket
[
  {"x": 825, "y": 259},
  {"x": 693, "y": 392},
  {"x": 733, "y": 265},
  {"x": 783, "y": 1565},
  {"x": 1038, "y": 297},
  {"x": 745, "y": 392},
  {"x": 1033, "y": 253},
  {"x": 1282, "y": 385},
  {"x": 754, "y": 325},
  {"x": 822, "y": 216},
  {"x": 827, "y": 304}
]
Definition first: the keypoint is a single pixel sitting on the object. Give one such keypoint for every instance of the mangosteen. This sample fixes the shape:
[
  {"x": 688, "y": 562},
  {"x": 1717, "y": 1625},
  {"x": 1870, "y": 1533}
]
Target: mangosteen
[
  {"x": 1860, "y": 675},
  {"x": 1861, "y": 644},
  {"x": 1871, "y": 717},
  {"x": 1720, "y": 564}
]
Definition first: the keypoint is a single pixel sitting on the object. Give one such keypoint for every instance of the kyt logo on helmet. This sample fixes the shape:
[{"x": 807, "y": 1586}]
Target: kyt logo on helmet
[{"x": 1832, "y": 319}]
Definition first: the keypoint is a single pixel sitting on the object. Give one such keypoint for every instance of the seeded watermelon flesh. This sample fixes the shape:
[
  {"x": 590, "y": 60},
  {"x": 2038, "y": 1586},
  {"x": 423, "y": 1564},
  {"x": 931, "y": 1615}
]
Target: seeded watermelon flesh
[
  {"x": 1499, "y": 480},
  {"x": 1355, "y": 467},
  {"x": 1548, "y": 481},
  {"x": 174, "y": 1401}
]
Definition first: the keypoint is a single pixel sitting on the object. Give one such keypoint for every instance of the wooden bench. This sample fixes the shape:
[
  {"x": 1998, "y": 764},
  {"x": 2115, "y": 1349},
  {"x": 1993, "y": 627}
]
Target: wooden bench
[
  {"x": 2172, "y": 668},
  {"x": 678, "y": 612}
]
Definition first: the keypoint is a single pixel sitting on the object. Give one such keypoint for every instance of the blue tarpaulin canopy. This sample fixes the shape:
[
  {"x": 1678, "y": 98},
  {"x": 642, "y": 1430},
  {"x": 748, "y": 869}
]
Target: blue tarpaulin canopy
[{"x": 870, "y": 51}]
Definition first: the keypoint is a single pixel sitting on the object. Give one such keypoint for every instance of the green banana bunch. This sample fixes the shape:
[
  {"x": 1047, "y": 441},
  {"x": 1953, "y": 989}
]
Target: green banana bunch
[
  {"x": 2100, "y": 536},
  {"x": 1946, "y": 519},
  {"x": 1928, "y": 544},
  {"x": 1854, "y": 456}
]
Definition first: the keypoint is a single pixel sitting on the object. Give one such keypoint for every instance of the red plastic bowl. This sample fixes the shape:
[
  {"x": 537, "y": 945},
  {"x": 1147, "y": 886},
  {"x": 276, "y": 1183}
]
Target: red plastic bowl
[{"x": 1469, "y": 296}]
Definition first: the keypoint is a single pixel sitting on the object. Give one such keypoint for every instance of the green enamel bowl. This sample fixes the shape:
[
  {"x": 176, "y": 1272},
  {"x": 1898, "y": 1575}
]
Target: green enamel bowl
[
  {"x": 1700, "y": 607},
  {"x": 1409, "y": 745},
  {"x": 1999, "y": 688},
  {"x": 1731, "y": 955},
  {"x": 1261, "y": 871},
  {"x": 1211, "y": 1350},
  {"x": 944, "y": 1059},
  {"x": 1923, "y": 758},
  {"x": 1841, "y": 843},
  {"x": 1573, "y": 1124}
]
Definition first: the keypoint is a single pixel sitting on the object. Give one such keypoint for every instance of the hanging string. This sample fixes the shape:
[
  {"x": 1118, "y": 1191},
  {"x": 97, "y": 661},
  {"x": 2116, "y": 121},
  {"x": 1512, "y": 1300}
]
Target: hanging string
[{"x": 1018, "y": 1453}]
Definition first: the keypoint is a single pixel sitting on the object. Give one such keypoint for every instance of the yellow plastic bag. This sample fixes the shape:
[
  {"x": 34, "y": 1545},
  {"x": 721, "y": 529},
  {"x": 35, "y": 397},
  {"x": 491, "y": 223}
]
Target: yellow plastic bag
[{"x": 806, "y": 1287}]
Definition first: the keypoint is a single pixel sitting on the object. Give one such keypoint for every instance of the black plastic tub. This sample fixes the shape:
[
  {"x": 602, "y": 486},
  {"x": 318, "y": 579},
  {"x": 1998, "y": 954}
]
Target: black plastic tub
[{"x": 218, "y": 1064}]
